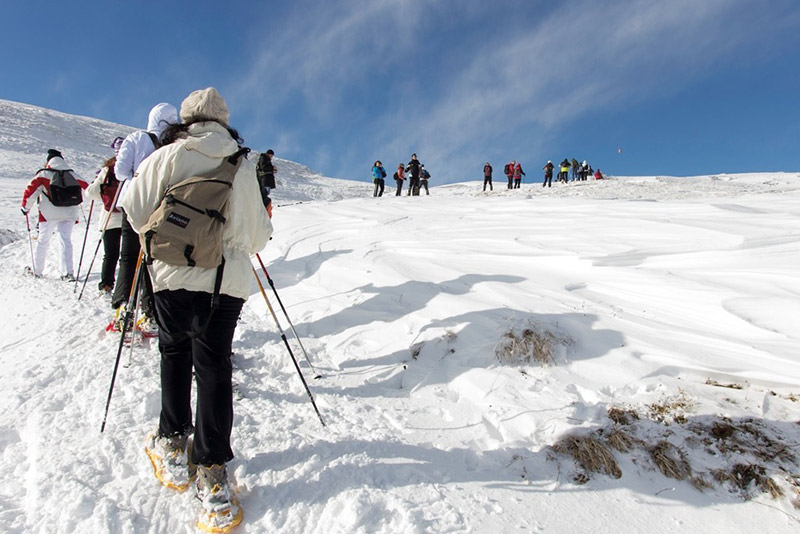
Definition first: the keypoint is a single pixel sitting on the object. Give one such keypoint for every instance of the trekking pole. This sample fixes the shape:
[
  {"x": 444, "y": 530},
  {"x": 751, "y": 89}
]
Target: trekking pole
[
  {"x": 83, "y": 247},
  {"x": 286, "y": 342},
  {"x": 99, "y": 241},
  {"x": 30, "y": 242},
  {"x": 135, "y": 303},
  {"x": 127, "y": 319},
  {"x": 272, "y": 285}
]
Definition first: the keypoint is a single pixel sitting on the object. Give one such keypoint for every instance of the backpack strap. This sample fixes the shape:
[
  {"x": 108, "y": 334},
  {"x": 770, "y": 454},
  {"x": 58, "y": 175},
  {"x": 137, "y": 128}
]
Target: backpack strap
[
  {"x": 154, "y": 138},
  {"x": 198, "y": 329}
]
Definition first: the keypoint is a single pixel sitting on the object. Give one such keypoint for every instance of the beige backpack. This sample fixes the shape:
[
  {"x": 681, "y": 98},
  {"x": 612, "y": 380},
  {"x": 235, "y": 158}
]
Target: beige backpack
[{"x": 186, "y": 228}]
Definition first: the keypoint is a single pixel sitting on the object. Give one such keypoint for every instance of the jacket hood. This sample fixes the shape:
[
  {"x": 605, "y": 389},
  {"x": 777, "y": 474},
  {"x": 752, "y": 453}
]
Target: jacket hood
[
  {"x": 57, "y": 163},
  {"x": 160, "y": 117},
  {"x": 210, "y": 139}
]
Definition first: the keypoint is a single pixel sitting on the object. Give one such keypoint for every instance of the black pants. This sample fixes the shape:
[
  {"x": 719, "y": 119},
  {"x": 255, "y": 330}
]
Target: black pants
[
  {"x": 517, "y": 182},
  {"x": 425, "y": 186},
  {"x": 413, "y": 186},
  {"x": 209, "y": 354},
  {"x": 510, "y": 182},
  {"x": 548, "y": 180},
  {"x": 487, "y": 180},
  {"x": 379, "y": 184},
  {"x": 399, "y": 188},
  {"x": 111, "y": 239},
  {"x": 128, "y": 255}
]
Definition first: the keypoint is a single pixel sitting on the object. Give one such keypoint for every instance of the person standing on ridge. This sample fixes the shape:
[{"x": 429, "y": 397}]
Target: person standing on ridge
[
  {"x": 564, "y": 174},
  {"x": 413, "y": 168},
  {"x": 423, "y": 179},
  {"x": 518, "y": 174},
  {"x": 134, "y": 150},
  {"x": 195, "y": 336},
  {"x": 399, "y": 176},
  {"x": 379, "y": 178},
  {"x": 265, "y": 172},
  {"x": 508, "y": 170},
  {"x": 574, "y": 165},
  {"x": 548, "y": 174},
  {"x": 55, "y": 215},
  {"x": 487, "y": 177}
]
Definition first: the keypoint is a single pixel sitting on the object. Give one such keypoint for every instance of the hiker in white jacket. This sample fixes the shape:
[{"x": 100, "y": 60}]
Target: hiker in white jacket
[
  {"x": 134, "y": 150},
  {"x": 183, "y": 301}
]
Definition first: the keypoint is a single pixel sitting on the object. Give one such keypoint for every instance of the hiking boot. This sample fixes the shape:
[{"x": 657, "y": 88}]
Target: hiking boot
[
  {"x": 29, "y": 272},
  {"x": 68, "y": 277},
  {"x": 221, "y": 511},
  {"x": 119, "y": 316},
  {"x": 105, "y": 289},
  {"x": 170, "y": 459},
  {"x": 147, "y": 326}
]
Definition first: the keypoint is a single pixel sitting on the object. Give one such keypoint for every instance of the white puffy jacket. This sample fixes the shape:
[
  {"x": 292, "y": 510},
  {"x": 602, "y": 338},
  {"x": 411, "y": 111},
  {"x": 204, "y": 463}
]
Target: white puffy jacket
[
  {"x": 138, "y": 145},
  {"x": 246, "y": 230}
]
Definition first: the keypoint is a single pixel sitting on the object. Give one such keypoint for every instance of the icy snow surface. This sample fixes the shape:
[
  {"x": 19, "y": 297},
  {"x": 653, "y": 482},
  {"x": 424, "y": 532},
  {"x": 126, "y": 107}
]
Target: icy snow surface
[{"x": 653, "y": 286}]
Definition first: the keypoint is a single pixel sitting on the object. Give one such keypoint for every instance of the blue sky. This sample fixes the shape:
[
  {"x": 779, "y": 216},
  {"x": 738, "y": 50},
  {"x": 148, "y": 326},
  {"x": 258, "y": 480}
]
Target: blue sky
[{"x": 682, "y": 87}]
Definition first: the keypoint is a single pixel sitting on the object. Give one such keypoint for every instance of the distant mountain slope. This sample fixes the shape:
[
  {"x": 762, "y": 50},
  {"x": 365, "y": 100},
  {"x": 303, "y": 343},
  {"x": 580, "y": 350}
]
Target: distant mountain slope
[{"x": 26, "y": 132}]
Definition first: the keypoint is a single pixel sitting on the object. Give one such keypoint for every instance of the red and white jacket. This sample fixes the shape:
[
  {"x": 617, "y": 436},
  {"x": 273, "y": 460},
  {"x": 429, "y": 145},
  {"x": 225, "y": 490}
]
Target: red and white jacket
[{"x": 39, "y": 190}]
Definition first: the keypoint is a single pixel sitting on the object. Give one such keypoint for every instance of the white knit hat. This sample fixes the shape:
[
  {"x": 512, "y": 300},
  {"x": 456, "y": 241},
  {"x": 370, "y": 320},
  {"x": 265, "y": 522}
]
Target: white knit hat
[{"x": 205, "y": 104}]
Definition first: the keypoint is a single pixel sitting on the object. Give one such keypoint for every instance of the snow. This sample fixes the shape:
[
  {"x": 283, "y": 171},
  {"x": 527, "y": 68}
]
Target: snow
[{"x": 656, "y": 291}]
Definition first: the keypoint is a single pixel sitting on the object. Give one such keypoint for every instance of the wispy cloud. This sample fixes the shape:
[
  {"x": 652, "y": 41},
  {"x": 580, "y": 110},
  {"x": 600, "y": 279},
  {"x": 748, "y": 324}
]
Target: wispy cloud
[{"x": 378, "y": 63}]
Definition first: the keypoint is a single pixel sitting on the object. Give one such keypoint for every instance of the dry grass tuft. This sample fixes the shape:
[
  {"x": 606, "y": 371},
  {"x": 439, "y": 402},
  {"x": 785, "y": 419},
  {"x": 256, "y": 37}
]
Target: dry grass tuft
[
  {"x": 591, "y": 454},
  {"x": 621, "y": 440},
  {"x": 670, "y": 460},
  {"x": 532, "y": 345},
  {"x": 672, "y": 409},
  {"x": 622, "y": 416},
  {"x": 744, "y": 477},
  {"x": 711, "y": 382},
  {"x": 701, "y": 482},
  {"x": 722, "y": 431}
]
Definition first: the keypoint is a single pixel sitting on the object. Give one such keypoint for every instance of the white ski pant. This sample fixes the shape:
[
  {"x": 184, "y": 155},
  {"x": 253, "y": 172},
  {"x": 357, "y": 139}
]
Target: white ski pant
[{"x": 46, "y": 231}]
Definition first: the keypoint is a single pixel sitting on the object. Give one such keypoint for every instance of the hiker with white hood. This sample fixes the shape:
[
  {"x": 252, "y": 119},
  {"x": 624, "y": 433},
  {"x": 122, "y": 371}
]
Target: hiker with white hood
[
  {"x": 134, "y": 150},
  {"x": 56, "y": 215},
  {"x": 195, "y": 335}
]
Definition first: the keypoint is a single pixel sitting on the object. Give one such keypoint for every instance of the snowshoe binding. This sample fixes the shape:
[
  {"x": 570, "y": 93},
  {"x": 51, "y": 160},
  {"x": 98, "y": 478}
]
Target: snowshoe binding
[
  {"x": 170, "y": 459},
  {"x": 221, "y": 511}
]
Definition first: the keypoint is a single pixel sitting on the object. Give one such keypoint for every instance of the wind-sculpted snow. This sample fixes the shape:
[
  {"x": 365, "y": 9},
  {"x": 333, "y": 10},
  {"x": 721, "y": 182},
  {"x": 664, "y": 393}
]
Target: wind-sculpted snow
[{"x": 669, "y": 305}]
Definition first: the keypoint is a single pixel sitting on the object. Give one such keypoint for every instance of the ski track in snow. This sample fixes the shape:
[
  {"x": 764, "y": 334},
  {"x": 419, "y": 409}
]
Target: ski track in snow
[{"x": 654, "y": 284}]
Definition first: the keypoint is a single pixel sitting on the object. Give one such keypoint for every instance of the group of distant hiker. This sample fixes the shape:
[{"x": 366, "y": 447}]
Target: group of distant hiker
[
  {"x": 191, "y": 290},
  {"x": 514, "y": 173},
  {"x": 414, "y": 171}
]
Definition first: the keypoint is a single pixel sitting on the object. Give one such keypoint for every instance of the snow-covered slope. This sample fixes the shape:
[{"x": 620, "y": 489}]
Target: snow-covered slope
[
  {"x": 664, "y": 310},
  {"x": 26, "y": 132}
]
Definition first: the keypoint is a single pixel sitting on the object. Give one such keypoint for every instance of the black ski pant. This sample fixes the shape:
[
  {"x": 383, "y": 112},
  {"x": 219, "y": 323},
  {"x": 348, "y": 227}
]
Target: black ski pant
[
  {"x": 487, "y": 180},
  {"x": 413, "y": 186},
  {"x": 510, "y": 182},
  {"x": 399, "y": 188},
  {"x": 111, "y": 238},
  {"x": 128, "y": 255},
  {"x": 379, "y": 185},
  {"x": 548, "y": 180},
  {"x": 424, "y": 186},
  {"x": 180, "y": 312},
  {"x": 517, "y": 182}
]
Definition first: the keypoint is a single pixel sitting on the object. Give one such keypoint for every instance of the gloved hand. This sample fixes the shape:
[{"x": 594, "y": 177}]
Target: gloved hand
[{"x": 24, "y": 210}]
